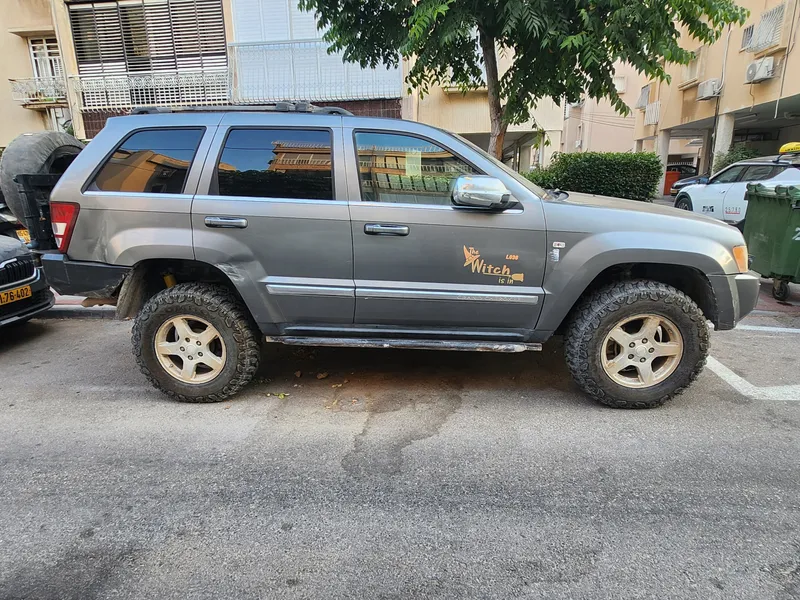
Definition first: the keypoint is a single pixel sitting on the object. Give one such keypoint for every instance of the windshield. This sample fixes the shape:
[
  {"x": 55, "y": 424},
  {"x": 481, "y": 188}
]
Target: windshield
[{"x": 517, "y": 177}]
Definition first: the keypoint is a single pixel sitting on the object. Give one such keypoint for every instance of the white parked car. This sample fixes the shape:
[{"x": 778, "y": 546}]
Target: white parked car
[{"x": 722, "y": 197}]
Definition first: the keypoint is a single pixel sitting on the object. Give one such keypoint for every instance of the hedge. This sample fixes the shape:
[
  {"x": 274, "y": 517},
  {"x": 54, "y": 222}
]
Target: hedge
[
  {"x": 620, "y": 174},
  {"x": 735, "y": 154}
]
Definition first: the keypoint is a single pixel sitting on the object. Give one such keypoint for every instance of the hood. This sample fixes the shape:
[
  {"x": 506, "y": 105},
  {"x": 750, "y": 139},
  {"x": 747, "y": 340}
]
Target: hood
[
  {"x": 635, "y": 205},
  {"x": 9, "y": 248},
  {"x": 583, "y": 214}
]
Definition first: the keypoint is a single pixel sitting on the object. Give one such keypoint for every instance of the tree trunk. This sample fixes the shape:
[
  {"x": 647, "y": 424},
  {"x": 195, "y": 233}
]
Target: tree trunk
[{"x": 498, "y": 126}]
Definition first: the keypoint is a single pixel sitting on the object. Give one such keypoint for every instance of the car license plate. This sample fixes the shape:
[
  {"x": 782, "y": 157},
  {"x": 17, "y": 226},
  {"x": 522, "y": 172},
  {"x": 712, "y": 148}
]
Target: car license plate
[
  {"x": 24, "y": 236},
  {"x": 16, "y": 294}
]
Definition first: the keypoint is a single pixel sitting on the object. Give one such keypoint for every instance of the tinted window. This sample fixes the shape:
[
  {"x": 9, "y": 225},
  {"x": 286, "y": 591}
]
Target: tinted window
[
  {"x": 276, "y": 163},
  {"x": 761, "y": 172},
  {"x": 153, "y": 161},
  {"x": 728, "y": 176},
  {"x": 406, "y": 169}
]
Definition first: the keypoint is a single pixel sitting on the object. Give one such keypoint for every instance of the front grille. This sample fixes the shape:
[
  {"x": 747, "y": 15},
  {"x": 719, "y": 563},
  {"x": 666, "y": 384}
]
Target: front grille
[
  {"x": 21, "y": 306},
  {"x": 17, "y": 270}
]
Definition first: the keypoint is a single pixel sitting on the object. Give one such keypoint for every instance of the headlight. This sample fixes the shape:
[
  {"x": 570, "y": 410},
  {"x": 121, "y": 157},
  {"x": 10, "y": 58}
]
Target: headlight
[{"x": 740, "y": 256}]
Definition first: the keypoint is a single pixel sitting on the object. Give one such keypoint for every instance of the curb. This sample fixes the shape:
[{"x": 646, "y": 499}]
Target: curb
[{"x": 67, "y": 311}]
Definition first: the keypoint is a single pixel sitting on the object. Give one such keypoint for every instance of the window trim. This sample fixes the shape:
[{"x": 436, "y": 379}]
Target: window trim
[
  {"x": 726, "y": 169},
  {"x": 478, "y": 170},
  {"x": 96, "y": 171},
  {"x": 213, "y": 184}
]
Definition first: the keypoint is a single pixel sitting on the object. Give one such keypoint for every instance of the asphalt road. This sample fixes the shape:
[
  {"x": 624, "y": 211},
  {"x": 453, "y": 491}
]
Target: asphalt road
[{"x": 398, "y": 475}]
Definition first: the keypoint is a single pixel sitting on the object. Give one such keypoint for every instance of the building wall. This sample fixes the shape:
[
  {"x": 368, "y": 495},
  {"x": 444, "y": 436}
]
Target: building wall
[
  {"x": 596, "y": 127},
  {"x": 468, "y": 114},
  {"x": 726, "y": 61},
  {"x": 18, "y": 19}
]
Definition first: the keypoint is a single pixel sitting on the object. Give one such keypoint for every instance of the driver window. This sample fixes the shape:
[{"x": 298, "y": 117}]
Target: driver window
[
  {"x": 728, "y": 176},
  {"x": 406, "y": 169}
]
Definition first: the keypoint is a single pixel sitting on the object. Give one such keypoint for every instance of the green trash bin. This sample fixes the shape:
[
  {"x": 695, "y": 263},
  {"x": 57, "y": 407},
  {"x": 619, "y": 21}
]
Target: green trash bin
[{"x": 772, "y": 232}]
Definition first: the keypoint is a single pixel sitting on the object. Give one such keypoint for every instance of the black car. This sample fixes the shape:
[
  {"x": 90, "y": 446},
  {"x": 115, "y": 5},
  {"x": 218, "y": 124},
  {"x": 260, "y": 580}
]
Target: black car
[
  {"x": 682, "y": 183},
  {"x": 24, "y": 292}
]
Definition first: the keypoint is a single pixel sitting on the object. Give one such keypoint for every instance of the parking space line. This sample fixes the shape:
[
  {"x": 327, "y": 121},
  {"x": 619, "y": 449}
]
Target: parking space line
[{"x": 776, "y": 393}]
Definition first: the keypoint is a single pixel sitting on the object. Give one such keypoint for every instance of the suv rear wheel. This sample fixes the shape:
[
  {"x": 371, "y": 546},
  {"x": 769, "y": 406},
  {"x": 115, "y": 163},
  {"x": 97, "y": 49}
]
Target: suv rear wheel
[
  {"x": 196, "y": 343},
  {"x": 636, "y": 344}
]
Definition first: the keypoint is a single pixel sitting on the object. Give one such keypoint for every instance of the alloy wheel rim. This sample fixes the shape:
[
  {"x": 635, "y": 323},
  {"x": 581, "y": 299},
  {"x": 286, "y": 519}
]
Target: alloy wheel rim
[
  {"x": 641, "y": 351},
  {"x": 190, "y": 349}
]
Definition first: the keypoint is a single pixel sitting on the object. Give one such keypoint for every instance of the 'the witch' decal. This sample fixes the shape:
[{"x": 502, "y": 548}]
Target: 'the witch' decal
[{"x": 474, "y": 261}]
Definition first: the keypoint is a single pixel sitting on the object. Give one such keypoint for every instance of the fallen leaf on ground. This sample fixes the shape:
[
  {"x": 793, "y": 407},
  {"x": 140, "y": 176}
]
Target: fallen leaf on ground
[
  {"x": 322, "y": 375},
  {"x": 298, "y": 373}
]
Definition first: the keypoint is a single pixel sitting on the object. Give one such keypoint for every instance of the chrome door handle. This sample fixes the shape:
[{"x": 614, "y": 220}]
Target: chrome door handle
[
  {"x": 226, "y": 222},
  {"x": 380, "y": 229}
]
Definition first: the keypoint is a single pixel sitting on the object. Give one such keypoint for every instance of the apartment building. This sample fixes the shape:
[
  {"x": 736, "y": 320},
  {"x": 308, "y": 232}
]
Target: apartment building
[
  {"x": 742, "y": 89},
  {"x": 32, "y": 88},
  {"x": 72, "y": 64}
]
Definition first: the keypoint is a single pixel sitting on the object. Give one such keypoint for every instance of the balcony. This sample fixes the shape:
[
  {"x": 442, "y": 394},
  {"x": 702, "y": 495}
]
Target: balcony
[
  {"x": 127, "y": 90},
  {"x": 271, "y": 72},
  {"x": 40, "y": 92},
  {"x": 652, "y": 113}
]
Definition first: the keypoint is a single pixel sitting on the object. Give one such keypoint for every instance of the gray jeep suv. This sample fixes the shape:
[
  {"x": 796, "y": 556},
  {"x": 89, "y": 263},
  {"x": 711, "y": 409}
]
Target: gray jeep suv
[{"x": 219, "y": 230}]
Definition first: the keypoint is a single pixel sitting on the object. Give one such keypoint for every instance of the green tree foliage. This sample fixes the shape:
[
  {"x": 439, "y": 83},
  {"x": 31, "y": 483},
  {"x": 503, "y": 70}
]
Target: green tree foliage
[
  {"x": 618, "y": 174},
  {"x": 735, "y": 154},
  {"x": 557, "y": 49}
]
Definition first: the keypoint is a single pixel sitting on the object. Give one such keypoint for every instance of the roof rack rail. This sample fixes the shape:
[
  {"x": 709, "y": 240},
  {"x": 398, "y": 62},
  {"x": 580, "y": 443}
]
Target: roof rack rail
[{"x": 297, "y": 107}]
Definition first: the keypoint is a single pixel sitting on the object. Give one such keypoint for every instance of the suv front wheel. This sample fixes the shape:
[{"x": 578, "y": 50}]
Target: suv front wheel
[
  {"x": 636, "y": 344},
  {"x": 196, "y": 343}
]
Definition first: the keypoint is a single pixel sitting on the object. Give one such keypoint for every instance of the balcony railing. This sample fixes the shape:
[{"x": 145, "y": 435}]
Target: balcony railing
[
  {"x": 652, "y": 113},
  {"x": 271, "y": 72},
  {"x": 113, "y": 92},
  {"x": 40, "y": 91}
]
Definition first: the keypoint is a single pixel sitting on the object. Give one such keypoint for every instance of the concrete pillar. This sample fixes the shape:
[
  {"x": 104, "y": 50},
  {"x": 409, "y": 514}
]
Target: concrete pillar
[
  {"x": 525, "y": 158},
  {"x": 637, "y": 145},
  {"x": 662, "y": 149},
  {"x": 705, "y": 154},
  {"x": 723, "y": 136}
]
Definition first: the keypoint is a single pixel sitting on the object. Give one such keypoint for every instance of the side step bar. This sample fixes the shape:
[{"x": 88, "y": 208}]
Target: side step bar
[{"x": 465, "y": 346}]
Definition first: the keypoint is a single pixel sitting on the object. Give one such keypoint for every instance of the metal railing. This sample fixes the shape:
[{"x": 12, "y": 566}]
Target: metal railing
[
  {"x": 303, "y": 70},
  {"x": 39, "y": 91},
  {"x": 652, "y": 113},
  {"x": 110, "y": 92}
]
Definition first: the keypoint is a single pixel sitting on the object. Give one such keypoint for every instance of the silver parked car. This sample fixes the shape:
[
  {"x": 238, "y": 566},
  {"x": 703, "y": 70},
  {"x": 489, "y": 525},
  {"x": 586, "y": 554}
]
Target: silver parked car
[{"x": 219, "y": 230}]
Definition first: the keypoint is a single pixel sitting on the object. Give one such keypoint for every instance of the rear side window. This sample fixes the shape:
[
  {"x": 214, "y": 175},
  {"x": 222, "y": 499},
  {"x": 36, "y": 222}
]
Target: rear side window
[
  {"x": 276, "y": 163},
  {"x": 154, "y": 161},
  {"x": 761, "y": 172}
]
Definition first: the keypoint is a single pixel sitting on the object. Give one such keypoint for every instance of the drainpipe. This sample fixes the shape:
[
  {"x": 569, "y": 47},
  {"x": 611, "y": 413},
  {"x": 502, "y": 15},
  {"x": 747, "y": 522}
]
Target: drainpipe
[{"x": 713, "y": 139}]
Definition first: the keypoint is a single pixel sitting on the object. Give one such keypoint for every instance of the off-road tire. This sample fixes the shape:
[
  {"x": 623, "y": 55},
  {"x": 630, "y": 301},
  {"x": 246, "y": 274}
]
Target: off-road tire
[
  {"x": 597, "y": 315},
  {"x": 30, "y": 153},
  {"x": 220, "y": 307},
  {"x": 684, "y": 203}
]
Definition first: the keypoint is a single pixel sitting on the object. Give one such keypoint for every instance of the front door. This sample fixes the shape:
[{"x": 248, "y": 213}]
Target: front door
[
  {"x": 421, "y": 263},
  {"x": 709, "y": 199},
  {"x": 273, "y": 216}
]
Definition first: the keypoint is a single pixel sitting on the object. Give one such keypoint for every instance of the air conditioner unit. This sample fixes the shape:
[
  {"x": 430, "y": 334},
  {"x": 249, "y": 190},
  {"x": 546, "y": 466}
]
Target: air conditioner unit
[
  {"x": 708, "y": 89},
  {"x": 760, "y": 70}
]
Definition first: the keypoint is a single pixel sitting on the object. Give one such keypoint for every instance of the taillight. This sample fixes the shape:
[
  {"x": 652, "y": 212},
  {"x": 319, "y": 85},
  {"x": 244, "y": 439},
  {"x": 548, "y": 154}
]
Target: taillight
[{"x": 62, "y": 217}]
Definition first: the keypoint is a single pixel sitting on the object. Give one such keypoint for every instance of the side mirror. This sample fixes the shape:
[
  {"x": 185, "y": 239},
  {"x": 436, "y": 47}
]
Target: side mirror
[
  {"x": 482, "y": 191},
  {"x": 703, "y": 179}
]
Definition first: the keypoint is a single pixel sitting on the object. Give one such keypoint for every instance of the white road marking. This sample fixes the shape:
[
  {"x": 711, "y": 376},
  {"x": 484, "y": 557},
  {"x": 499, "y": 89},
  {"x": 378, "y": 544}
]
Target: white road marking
[
  {"x": 767, "y": 329},
  {"x": 777, "y": 393}
]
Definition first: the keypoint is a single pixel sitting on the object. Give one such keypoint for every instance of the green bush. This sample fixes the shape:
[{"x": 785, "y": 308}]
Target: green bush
[
  {"x": 735, "y": 154},
  {"x": 619, "y": 174}
]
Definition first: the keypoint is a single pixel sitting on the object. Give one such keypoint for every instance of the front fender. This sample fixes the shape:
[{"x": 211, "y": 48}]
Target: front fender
[{"x": 585, "y": 257}]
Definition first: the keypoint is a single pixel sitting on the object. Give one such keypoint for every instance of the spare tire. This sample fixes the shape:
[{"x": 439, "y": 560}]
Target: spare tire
[{"x": 41, "y": 152}]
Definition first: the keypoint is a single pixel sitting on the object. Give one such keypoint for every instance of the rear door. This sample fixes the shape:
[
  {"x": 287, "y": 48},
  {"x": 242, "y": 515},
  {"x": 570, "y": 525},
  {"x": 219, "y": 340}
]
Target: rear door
[
  {"x": 424, "y": 264},
  {"x": 271, "y": 212}
]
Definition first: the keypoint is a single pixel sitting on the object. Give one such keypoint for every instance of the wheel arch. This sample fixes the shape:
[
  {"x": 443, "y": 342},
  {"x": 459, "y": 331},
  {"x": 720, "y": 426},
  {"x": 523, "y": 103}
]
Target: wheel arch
[{"x": 150, "y": 276}]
